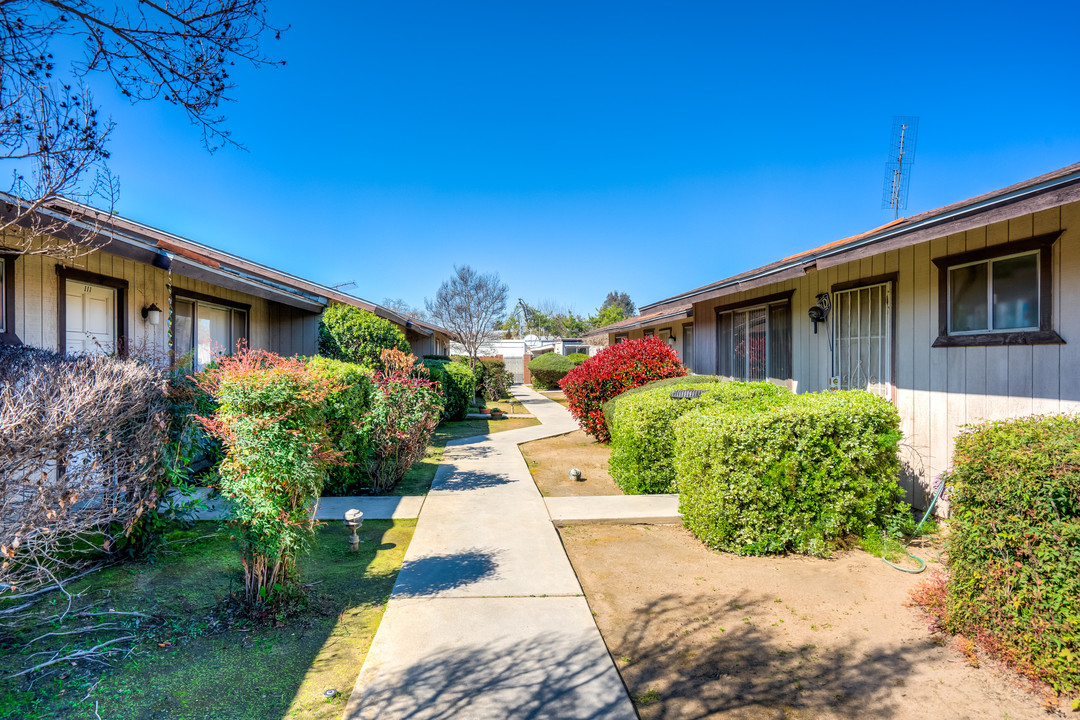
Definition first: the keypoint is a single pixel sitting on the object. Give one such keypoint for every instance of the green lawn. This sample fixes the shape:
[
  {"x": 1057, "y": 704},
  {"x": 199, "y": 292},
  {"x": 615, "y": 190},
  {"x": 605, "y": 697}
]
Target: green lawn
[{"x": 195, "y": 658}]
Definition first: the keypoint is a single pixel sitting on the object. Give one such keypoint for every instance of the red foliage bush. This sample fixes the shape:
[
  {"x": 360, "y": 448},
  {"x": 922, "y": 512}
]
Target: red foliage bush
[{"x": 615, "y": 370}]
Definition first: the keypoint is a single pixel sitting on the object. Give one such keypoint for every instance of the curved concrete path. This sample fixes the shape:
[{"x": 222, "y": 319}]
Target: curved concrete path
[{"x": 487, "y": 619}]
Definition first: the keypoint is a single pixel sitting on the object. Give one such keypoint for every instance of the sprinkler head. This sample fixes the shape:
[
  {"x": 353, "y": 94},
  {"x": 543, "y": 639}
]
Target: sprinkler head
[{"x": 575, "y": 474}]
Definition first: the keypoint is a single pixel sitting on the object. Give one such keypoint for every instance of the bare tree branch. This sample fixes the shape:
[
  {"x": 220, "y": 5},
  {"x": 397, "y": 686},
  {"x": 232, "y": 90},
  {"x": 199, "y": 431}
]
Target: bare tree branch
[
  {"x": 51, "y": 135},
  {"x": 469, "y": 305}
]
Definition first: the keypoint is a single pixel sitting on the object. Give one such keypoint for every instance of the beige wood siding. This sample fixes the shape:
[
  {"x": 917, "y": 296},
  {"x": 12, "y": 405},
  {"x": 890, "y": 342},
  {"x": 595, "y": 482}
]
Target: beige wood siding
[
  {"x": 937, "y": 390},
  {"x": 287, "y": 331}
]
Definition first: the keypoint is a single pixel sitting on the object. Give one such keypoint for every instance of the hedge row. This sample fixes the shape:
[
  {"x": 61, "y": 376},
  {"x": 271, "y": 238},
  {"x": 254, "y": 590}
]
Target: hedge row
[
  {"x": 1014, "y": 544},
  {"x": 457, "y": 385},
  {"x": 548, "y": 369},
  {"x": 787, "y": 473},
  {"x": 354, "y": 335},
  {"x": 344, "y": 409},
  {"x": 642, "y": 438},
  {"x": 612, "y": 371}
]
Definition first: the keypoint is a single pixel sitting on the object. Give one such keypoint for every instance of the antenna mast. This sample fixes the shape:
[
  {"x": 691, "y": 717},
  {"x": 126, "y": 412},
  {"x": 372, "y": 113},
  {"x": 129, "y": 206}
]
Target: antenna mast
[{"x": 905, "y": 132}]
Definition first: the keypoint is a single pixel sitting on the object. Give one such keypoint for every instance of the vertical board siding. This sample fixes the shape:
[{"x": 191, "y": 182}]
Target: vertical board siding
[
  {"x": 37, "y": 287},
  {"x": 938, "y": 390}
]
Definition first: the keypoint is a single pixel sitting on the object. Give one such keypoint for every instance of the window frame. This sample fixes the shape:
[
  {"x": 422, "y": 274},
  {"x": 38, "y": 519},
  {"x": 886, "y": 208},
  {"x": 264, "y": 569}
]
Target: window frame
[
  {"x": 196, "y": 298},
  {"x": 1043, "y": 335},
  {"x": 622, "y": 337},
  {"x": 765, "y": 302},
  {"x": 7, "y": 300},
  {"x": 689, "y": 365}
]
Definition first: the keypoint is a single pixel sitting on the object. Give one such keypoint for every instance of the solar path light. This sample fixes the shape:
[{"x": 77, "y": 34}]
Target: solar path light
[{"x": 353, "y": 520}]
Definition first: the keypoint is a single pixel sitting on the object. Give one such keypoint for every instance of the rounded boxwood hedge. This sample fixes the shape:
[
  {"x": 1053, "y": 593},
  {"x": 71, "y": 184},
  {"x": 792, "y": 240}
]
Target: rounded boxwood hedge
[
  {"x": 790, "y": 473},
  {"x": 457, "y": 385},
  {"x": 642, "y": 440},
  {"x": 548, "y": 369},
  {"x": 687, "y": 380}
]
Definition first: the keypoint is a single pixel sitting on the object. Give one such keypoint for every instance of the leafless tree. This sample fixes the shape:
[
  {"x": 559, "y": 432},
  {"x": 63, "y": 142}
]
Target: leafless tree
[
  {"x": 401, "y": 307},
  {"x": 469, "y": 305},
  {"x": 51, "y": 135}
]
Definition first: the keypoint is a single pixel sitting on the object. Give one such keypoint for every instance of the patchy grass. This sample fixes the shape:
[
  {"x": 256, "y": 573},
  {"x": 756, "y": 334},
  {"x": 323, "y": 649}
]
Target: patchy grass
[
  {"x": 509, "y": 405},
  {"x": 557, "y": 396},
  {"x": 196, "y": 658},
  {"x": 418, "y": 479}
]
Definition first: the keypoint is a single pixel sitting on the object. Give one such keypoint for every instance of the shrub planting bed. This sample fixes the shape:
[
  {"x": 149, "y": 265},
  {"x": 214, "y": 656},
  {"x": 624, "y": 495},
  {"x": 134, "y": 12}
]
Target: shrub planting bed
[
  {"x": 642, "y": 438},
  {"x": 791, "y": 473},
  {"x": 612, "y": 371},
  {"x": 548, "y": 369},
  {"x": 1014, "y": 546},
  {"x": 457, "y": 385}
]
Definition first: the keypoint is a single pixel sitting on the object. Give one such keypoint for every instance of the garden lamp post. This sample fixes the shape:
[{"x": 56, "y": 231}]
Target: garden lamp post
[{"x": 353, "y": 520}]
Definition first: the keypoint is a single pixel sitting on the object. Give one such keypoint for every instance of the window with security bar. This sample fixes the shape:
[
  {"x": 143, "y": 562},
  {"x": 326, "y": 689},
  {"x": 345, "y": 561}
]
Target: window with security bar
[
  {"x": 862, "y": 335},
  {"x": 755, "y": 343}
]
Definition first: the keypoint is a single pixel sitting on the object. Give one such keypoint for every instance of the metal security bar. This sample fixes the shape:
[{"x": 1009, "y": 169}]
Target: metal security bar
[{"x": 862, "y": 327}]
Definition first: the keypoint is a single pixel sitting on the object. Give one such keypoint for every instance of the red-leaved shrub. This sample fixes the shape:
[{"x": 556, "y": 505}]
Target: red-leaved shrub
[{"x": 612, "y": 371}]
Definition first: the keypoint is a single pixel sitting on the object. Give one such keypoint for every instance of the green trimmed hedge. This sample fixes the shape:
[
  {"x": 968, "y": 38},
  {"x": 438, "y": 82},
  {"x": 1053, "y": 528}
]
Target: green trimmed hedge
[
  {"x": 642, "y": 439},
  {"x": 457, "y": 385},
  {"x": 1013, "y": 546},
  {"x": 345, "y": 409},
  {"x": 354, "y": 335},
  {"x": 608, "y": 408},
  {"x": 788, "y": 474},
  {"x": 548, "y": 369}
]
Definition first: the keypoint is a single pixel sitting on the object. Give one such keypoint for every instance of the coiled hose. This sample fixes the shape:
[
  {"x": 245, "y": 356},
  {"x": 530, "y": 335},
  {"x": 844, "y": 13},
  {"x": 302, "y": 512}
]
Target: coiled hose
[{"x": 922, "y": 565}]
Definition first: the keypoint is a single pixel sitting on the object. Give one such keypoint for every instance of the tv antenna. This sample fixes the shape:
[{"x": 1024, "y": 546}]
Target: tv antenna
[
  {"x": 905, "y": 131},
  {"x": 344, "y": 285}
]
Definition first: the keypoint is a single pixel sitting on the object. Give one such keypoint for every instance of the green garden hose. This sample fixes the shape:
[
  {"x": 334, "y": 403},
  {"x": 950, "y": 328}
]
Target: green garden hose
[{"x": 922, "y": 565}]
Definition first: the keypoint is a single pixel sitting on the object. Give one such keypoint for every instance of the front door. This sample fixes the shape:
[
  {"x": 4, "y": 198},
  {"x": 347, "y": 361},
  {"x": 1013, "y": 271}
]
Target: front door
[{"x": 90, "y": 318}]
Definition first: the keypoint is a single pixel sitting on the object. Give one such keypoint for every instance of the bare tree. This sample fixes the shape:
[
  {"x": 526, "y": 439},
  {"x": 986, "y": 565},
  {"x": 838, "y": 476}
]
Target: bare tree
[
  {"x": 403, "y": 308},
  {"x": 469, "y": 305},
  {"x": 51, "y": 135}
]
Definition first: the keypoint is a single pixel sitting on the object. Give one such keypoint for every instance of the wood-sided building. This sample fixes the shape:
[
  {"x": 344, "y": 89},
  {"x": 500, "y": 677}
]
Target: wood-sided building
[
  {"x": 137, "y": 289},
  {"x": 957, "y": 315}
]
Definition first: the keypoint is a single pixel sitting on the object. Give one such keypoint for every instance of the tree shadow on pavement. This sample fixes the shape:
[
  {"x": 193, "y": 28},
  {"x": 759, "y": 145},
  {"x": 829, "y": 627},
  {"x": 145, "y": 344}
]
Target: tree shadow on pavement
[
  {"x": 439, "y": 573},
  {"x": 555, "y": 678}
]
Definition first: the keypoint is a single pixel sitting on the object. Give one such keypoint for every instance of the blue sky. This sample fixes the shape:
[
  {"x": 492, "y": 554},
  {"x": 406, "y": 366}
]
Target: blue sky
[{"x": 577, "y": 148}]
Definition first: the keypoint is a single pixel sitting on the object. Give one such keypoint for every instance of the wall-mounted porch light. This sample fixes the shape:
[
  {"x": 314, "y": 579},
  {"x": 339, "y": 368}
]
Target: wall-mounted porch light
[
  {"x": 152, "y": 314},
  {"x": 819, "y": 313}
]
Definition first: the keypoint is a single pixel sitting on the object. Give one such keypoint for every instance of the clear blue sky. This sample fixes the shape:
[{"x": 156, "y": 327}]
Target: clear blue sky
[{"x": 577, "y": 148}]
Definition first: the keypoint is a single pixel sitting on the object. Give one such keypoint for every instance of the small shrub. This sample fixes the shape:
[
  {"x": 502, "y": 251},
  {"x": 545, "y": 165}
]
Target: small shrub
[
  {"x": 787, "y": 473},
  {"x": 612, "y": 371},
  {"x": 106, "y": 419},
  {"x": 496, "y": 380},
  {"x": 1013, "y": 546},
  {"x": 548, "y": 369},
  {"x": 354, "y": 335},
  {"x": 346, "y": 407},
  {"x": 272, "y": 420},
  {"x": 456, "y": 384},
  {"x": 404, "y": 413},
  {"x": 444, "y": 358},
  {"x": 642, "y": 438}
]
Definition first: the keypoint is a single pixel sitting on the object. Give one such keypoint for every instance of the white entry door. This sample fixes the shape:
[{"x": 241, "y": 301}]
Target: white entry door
[{"x": 90, "y": 318}]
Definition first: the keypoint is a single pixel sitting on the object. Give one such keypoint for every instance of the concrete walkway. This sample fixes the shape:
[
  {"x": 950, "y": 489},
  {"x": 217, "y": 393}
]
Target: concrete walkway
[{"x": 487, "y": 619}]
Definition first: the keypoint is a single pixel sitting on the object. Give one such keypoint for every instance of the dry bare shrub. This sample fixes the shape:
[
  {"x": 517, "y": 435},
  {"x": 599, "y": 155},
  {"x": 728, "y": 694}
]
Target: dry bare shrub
[{"x": 81, "y": 442}]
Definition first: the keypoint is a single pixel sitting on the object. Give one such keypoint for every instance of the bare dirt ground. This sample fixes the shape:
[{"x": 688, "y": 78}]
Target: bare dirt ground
[
  {"x": 551, "y": 459},
  {"x": 700, "y": 634}
]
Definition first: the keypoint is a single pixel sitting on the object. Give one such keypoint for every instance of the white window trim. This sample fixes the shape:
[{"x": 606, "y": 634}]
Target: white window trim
[{"x": 989, "y": 262}]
